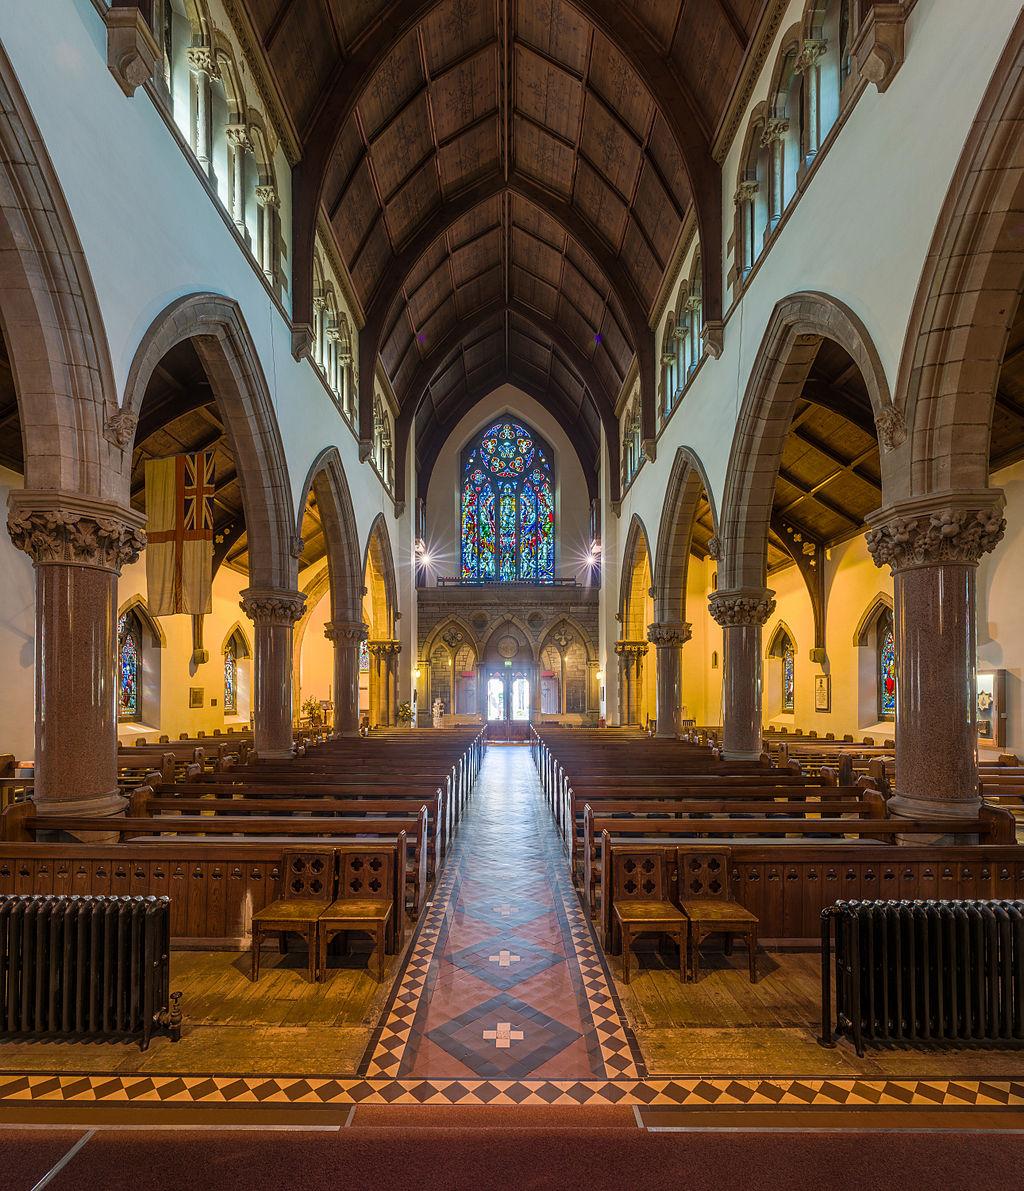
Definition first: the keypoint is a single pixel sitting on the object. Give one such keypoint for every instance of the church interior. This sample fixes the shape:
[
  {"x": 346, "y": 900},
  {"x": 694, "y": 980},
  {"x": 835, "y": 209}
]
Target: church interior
[{"x": 511, "y": 668}]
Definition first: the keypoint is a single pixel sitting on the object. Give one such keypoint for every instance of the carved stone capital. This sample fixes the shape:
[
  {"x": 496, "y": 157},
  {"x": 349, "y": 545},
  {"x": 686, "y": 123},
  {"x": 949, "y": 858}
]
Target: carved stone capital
[
  {"x": 631, "y": 649},
  {"x": 385, "y": 649},
  {"x": 273, "y": 606},
  {"x": 345, "y": 632},
  {"x": 202, "y": 60},
  {"x": 746, "y": 191},
  {"x": 668, "y": 635},
  {"x": 238, "y": 136},
  {"x": 811, "y": 53},
  {"x": 267, "y": 196},
  {"x": 774, "y": 130},
  {"x": 119, "y": 428},
  {"x": 52, "y": 528},
  {"x": 954, "y": 527},
  {"x": 891, "y": 427},
  {"x": 879, "y": 48},
  {"x": 132, "y": 50},
  {"x": 742, "y": 607}
]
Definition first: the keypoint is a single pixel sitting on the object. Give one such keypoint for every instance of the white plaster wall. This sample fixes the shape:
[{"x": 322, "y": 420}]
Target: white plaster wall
[
  {"x": 572, "y": 505},
  {"x": 861, "y": 230},
  {"x": 151, "y": 233}
]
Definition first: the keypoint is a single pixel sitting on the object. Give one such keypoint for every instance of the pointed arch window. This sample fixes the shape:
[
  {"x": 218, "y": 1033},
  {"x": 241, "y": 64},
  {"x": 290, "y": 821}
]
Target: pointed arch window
[
  {"x": 788, "y": 678},
  {"x": 508, "y": 507},
  {"x": 129, "y": 668},
  {"x": 885, "y": 645}
]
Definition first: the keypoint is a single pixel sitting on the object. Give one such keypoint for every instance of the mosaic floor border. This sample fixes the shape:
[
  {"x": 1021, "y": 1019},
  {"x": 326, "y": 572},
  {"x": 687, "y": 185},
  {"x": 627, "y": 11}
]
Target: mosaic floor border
[{"x": 31, "y": 1088}]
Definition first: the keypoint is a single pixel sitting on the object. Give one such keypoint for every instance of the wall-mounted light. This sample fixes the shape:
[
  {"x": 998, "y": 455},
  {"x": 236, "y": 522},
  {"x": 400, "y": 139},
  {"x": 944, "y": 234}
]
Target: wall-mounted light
[
  {"x": 600, "y": 676},
  {"x": 416, "y": 672}
]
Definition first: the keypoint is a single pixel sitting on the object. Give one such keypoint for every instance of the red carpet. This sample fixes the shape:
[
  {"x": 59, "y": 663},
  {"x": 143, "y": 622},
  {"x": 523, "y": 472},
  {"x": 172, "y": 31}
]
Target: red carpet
[
  {"x": 27, "y": 1154},
  {"x": 537, "y": 1159}
]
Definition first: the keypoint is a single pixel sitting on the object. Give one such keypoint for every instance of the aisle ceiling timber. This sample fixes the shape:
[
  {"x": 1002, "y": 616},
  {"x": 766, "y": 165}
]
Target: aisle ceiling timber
[{"x": 504, "y": 154}]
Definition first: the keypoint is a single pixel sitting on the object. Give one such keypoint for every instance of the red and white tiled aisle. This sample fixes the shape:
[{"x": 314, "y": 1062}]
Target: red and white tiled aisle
[{"x": 505, "y": 981}]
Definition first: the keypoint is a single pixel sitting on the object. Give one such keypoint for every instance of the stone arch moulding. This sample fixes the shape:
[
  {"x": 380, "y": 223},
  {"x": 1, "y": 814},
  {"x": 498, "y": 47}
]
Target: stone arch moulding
[
  {"x": 686, "y": 481},
  {"x": 449, "y": 622},
  {"x": 588, "y": 645},
  {"x": 326, "y": 479},
  {"x": 501, "y": 629},
  {"x": 637, "y": 539},
  {"x": 781, "y": 629},
  {"x": 138, "y": 605},
  {"x": 228, "y": 354},
  {"x": 378, "y": 549},
  {"x": 50, "y": 316},
  {"x": 966, "y": 299},
  {"x": 784, "y": 358},
  {"x": 867, "y": 622},
  {"x": 246, "y": 643}
]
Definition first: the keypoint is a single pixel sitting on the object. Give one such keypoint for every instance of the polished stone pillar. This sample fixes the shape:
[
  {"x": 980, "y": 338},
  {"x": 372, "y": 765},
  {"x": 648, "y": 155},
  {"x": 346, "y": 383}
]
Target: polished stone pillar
[
  {"x": 742, "y": 613},
  {"x": 383, "y": 682},
  {"x": 345, "y": 636},
  {"x": 273, "y": 612},
  {"x": 933, "y": 546},
  {"x": 78, "y": 547},
  {"x": 631, "y": 661},
  {"x": 669, "y": 638}
]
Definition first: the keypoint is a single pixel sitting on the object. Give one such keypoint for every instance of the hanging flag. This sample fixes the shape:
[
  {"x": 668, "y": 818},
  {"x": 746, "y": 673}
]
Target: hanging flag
[{"x": 179, "y": 546}]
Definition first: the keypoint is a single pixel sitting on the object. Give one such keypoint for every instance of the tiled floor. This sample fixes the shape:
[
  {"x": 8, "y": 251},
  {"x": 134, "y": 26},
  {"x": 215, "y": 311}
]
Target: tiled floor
[{"x": 504, "y": 981}]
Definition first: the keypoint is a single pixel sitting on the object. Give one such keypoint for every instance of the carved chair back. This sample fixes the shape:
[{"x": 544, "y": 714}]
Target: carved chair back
[
  {"x": 704, "y": 873},
  {"x": 308, "y": 873},
  {"x": 367, "y": 875},
  {"x": 640, "y": 875}
]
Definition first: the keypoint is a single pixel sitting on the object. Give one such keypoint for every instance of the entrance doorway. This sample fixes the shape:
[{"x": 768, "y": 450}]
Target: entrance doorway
[{"x": 508, "y": 704}]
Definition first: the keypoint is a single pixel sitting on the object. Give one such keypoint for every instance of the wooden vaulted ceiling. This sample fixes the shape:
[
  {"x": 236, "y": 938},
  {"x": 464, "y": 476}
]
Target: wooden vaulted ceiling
[{"x": 501, "y": 166}]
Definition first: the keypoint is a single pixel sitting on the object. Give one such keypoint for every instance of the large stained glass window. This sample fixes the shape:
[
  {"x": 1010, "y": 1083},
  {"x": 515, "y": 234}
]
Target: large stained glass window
[
  {"x": 886, "y": 667},
  {"x": 508, "y": 507},
  {"x": 129, "y": 667}
]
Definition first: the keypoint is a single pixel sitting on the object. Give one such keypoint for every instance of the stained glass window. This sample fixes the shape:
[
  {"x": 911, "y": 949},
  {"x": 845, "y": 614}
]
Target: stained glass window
[
  {"x": 787, "y": 675},
  {"x": 231, "y": 678},
  {"x": 129, "y": 667},
  {"x": 886, "y": 668},
  {"x": 508, "y": 507},
  {"x": 364, "y": 655}
]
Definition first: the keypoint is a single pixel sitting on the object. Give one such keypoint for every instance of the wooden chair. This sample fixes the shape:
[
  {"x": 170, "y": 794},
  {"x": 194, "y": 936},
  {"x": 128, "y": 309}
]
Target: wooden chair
[
  {"x": 704, "y": 894},
  {"x": 307, "y": 889},
  {"x": 364, "y": 903},
  {"x": 640, "y": 902}
]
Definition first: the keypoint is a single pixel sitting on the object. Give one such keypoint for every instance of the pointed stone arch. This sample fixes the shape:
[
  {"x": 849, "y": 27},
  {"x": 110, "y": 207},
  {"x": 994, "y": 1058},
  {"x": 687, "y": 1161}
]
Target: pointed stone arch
[
  {"x": 797, "y": 326},
  {"x": 863, "y": 633},
  {"x": 228, "y": 354},
  {"x": 686, "y": 483},
  {"x": 139, "y": 605},
  {"x": 51, "y": 322},
  {"x": 327, "y": 481},
  {"x": 966, "y": 301},
  {"x": 633, "y": 591},
  {"x": 379, "y": 569}
]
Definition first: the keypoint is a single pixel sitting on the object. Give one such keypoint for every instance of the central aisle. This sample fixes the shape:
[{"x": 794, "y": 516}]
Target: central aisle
[{"x": 504, "y": 981}]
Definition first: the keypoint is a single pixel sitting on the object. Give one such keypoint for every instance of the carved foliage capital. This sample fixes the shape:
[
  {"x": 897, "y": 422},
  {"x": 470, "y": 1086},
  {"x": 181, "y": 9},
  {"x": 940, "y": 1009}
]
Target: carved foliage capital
[
  {"x": 385, "y": 649},
  {"x": 775, "y": 129},
  {"x": 811, "y": 53},
  {"x": 345, "y": 632},
  {"x": 631, "y": 649},
  {"x": 201, "y": 59},
  {"x": 919, "y": 534},
  {"x": 746, "y": 191},
  {"x": 741, "y": 609},
  {"x": 275, "y": 608},
  {"x": 92, "y": 538},
  {"x": 667, "y": 635}
]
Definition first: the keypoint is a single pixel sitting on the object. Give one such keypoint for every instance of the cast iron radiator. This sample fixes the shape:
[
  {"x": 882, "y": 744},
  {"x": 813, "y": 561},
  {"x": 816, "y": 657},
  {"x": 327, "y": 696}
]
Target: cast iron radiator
[
  {"x": 86, "y": 967},
  {"x": 923, "y": 971}
]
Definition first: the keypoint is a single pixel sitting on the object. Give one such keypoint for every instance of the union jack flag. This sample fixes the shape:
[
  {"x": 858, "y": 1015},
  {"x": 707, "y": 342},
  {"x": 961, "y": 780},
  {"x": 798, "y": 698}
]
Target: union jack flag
[{"x": 179, "y": 550}]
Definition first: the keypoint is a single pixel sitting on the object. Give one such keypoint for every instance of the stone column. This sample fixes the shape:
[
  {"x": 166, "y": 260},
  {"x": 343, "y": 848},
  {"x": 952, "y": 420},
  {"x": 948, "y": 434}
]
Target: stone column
[
  {"x": 631, "y": 657},
  {"x": 203, "y": 66},
  {"x": 238, "y": 138},
  {"x": 78, "y": 547},
  {"x": 669, "y": 637},
  {"x": 384, "y": 655},
  {"x": 742, "y": 613},
  {"x": 933, "y": 546},
  {"x": 774, "y": 140},
  {"x": 345, "y": 636},
  {"x": 274, "y": 612},
  {"x": 267, "y": 198},
  {"x": 808, "y": 63}
]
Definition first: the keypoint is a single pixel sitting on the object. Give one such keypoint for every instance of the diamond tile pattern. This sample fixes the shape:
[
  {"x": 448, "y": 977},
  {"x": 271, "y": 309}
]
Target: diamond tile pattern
[{"x": 505, "y": 889}]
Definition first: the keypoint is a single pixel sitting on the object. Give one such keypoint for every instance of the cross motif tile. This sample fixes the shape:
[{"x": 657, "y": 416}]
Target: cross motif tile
[
  {"x": 503, "y": 1035},
  {"x": 504, "y": 958}
]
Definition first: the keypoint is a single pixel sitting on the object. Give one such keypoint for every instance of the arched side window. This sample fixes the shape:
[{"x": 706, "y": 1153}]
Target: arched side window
[
  {"x": 885, "y": 648},
  {"x": 631, "y": 429},
  {"x": 230, "y": 679},
  {"x": 129, "y": 668},
  {"x": 782, "y": 647},
  {"x": 382, "y": 449},
  {"x": 508, "y": 507}
]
